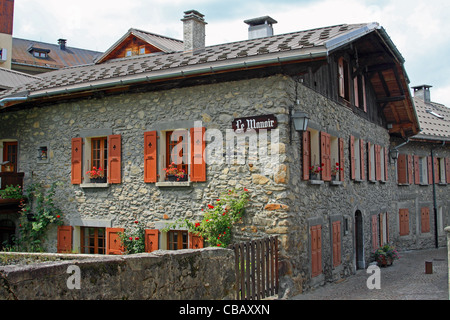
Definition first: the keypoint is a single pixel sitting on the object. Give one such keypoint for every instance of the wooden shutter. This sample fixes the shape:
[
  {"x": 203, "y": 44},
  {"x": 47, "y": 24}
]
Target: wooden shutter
[
  {"x": 436, "y": 170},
  {"x": 355, "y": 90},
  {"x": 363, "y": 162},
  {"x": 195, "y": 241},
  {"x": 151, "y": 240},
  {"x": 416, "y": 170},
  {"x": 336, "y": 243},
  {"x": 198, "y": 163},
  {"x": 447, "y": 169},
  {"x": 113, "y": 242},
  {"x": 387, "y": 227},
  {"x": 430, "y": 170},
  {"x": 325, "y": 155},
  {"x": 316, "y": 250},
  {"x": 375, "y": 243},
  {"x": 115, "y": 159},
  {"x": 151, "y": 157},
  {"x": 64, "y": 239},
  {"x": 77, "y": 160},
  {"x": 352, "y": 158},
  {"x": 410, "y": 169},
  {"x": 377, "y": 162},
  {"x": 341, "y": 158},
  {"x": 425, "y": 220},
  {"x": 341, "y": 75},
  {"x": 386, "y": 163},
  {"x": 404, "y": 222},
  {"x": 401, "y": 169},
  {"x": 369, "y": 161},
  {"x": 306, "y": 154}
]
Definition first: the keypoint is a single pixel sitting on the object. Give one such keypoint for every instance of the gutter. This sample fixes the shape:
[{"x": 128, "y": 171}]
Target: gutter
[{"x": 4, "y": 101}]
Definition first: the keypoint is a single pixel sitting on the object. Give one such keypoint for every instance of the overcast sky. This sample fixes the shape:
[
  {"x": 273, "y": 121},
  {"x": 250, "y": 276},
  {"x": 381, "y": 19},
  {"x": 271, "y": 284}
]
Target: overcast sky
[{"x": 419, "y": 28}]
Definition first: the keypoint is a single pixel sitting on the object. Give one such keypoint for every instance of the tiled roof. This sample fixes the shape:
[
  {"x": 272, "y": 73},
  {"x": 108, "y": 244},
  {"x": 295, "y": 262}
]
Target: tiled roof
[
  {"x": 10, "y": 78},
  {"x": 434, "y": 120},
  {"x": 251, "y": 52}
]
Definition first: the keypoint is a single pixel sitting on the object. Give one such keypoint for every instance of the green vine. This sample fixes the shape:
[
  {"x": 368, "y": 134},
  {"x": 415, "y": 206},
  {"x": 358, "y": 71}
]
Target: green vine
[
  {"x": 133, "y": 241},
  {"x": 218, "y": 218},
  {"x": 38, "y": 212}
]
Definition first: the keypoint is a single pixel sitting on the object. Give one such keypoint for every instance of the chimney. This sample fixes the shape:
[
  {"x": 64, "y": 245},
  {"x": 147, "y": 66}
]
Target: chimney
[
  {"x": 260, "y": 27},
  {"x": 6, "y": 31},
  {"x": 193, "y": 31},
  {"x": 62, "y": 43},
  {"x": 423, "y": 93}
]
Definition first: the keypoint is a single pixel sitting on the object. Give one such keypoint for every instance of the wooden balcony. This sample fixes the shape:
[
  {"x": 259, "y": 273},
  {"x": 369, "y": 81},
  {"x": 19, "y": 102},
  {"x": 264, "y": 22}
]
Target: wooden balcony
[{"x": 11, "y": 178}]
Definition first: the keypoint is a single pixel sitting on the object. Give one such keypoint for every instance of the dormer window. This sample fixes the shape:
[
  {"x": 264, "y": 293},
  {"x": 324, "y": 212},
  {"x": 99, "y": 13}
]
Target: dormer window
[{"x": 39, "y": 52}]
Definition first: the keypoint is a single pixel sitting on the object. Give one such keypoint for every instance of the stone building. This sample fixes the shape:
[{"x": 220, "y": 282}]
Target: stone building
[{"x": 126, "y": 111}]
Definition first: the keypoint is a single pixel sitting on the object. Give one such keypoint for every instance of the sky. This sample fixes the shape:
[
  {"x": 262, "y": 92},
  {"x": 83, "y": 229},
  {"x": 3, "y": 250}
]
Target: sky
[{"x": 420, "y": 29}]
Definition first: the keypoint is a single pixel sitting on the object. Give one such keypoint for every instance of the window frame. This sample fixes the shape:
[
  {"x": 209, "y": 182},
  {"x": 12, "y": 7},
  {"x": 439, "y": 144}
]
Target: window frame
[{"x": 96, "y": 237}]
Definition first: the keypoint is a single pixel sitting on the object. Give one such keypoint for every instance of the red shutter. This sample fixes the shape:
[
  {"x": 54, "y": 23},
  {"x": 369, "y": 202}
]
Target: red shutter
[
  {"x": 410, "y": 169},
  {"x": 387, "y": 227},
  {"x": 436, "y": 170},
  {"x": 113, "y": 243},
  {"x": 115, "y": 159},
  {"x": 352, "y": 157},
  {"x": 363, "y": 163},
  {"x": 375, "y": 243},
  {"x": 325, "y": 155},
  {"x": 198, "y": 163},
  {"x": 425, "y": 220},
  {"x": 430, "y": 170},
  {"x": 151, "y": 240},
  {"x": 355, "y": 89},
  {"x": 404, "y": 222},
  {"x": 401, "y": 169},
  {"x": 341, "y": 158},
  {"x": 316, "y": 250},
  {"x": 416, "y": 170},
  {"x": 306, "y": 154},
  {"x": 336, "y": 243},
  {"x": 364, "y": 93},
  {"x": 369, "y": 162},
  {"x": 150, "y": 157},
  {"x": 77, "y": 160},
  {"x": 377, "y": 162},
  {"x": 64, "y": 239},
  {"x": 447, "y": 169},
  {"x": 195, "y": 242}
]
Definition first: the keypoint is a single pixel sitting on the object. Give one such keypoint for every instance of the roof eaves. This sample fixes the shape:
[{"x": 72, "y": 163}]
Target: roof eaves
[{"x": 350, "y": 36}]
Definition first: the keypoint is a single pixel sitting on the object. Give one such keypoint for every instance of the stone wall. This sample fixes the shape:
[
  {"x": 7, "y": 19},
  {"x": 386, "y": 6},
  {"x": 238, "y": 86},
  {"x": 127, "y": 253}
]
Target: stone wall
[{"x": 206, "y": 274}]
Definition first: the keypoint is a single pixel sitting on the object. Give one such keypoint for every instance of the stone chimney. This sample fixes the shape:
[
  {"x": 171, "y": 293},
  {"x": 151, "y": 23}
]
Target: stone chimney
[
  {"x": 260, "y": 27},
  {"x": 423, "y": 93},
  {"x": 193, "y": 31},
  {"x": 62, "y": 44},
  {"x": 6, "y": 31}
]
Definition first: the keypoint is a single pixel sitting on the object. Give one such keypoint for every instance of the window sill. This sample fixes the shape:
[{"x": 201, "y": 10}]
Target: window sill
[
  {"x": 316, "y": 182},
  {"x": 175, "y": 184},
  {"x": 94, "y": 185},
  {"x": 335, "y": 183},
  {"x": 358, "y": 180}
]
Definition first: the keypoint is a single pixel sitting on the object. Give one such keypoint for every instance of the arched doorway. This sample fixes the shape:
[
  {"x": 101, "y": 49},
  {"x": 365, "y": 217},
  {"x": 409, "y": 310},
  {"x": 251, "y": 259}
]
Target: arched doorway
[
  {"x": 359, "y": 240},
  {"x": 7, "y": 231}
]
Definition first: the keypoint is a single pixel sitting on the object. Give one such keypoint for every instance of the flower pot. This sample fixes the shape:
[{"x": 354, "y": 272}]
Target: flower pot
[
  {"x": 98, "y": 180},
  {"x": 384, "y": 261},
  {"x": 314, "y": 176}
]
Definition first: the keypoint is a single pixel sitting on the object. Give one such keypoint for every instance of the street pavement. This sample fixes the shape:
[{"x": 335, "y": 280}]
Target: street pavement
[{"x": 406, "y": 279}]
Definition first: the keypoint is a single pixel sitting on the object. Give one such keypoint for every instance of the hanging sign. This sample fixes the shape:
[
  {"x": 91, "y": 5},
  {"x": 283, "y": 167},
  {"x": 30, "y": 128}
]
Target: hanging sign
[{"x": 256, "y": 123}]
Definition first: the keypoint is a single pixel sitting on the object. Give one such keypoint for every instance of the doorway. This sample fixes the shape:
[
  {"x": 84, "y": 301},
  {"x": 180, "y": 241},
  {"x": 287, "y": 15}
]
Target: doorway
[
  {"x": 7, "y": 231},
  {"x": 359, "y": 240}
]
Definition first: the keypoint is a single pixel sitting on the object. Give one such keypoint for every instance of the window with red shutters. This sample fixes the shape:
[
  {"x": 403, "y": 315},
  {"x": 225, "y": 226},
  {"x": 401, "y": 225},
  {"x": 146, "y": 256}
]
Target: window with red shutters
[
  {"x": 198, "y": 161},
  {"x": 402, "y": 169},
  {"x": 316, "y": 250},
  {"x": 77, "y": 160},
  {"x": 150, "y": 157},
  {"x": 115, "y": 159}
]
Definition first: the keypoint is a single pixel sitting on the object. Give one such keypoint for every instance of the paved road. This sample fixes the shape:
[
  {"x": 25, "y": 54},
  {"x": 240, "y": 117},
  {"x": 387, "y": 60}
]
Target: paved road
[{"x": 404, "y": 280}]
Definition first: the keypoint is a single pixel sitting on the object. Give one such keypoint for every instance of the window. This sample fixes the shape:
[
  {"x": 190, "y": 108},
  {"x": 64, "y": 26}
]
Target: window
[
  {"x": 142, "y": 50},
  {"x": 425, "y": 220},
  {"x": 359, "y": 85},
  {"x": 184, "y": 147},
  {"x": 441, "y": 171},
  {"x": 10, "y": 154},
  {"x": 343, "y": 74},
  {"x": 101, "y": 151},
  {"x": 404, "y": 170},
  {"x": 93, "y": 240},
  {"x": 316, "y": 250},
  {"x": 423, "y": 170},
  {"x": 404, "y": 222},
  {"x": 178, "y": 240}
]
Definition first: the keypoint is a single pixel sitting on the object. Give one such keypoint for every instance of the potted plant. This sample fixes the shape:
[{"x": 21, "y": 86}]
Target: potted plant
[
  {"x": 385, "y": 255},
  {"x": 97, "y": 175},
  {"x": 315, "y": 170},
  {"x": 335, "y": 170},
  {"x": 175, "y": 174}
]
